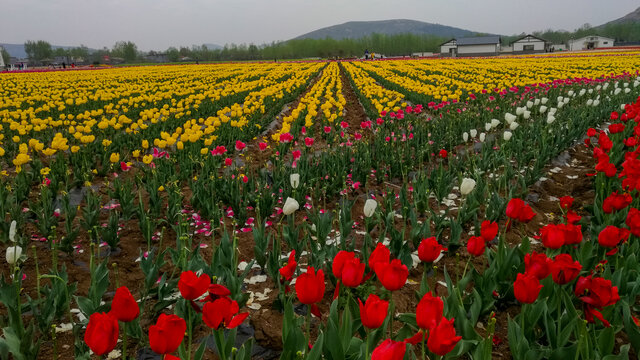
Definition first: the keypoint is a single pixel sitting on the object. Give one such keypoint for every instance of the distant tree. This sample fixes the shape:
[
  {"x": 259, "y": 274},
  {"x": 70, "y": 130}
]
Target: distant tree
[
  {"x": 38, "y": 50},
  {"x": 79, "y": 53},
  {"x": 173, "y": 54},
  {"x": 126, "y": 50}
]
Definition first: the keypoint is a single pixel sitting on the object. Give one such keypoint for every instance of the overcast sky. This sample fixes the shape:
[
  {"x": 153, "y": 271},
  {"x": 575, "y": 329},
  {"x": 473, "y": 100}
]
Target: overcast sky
[{"x": 158, "y": 24}]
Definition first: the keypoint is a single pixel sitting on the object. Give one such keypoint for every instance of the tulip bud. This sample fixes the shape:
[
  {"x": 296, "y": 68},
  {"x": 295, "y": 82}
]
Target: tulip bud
[
  {"x": 13, "y": 254},
  {"x": 529, "y": 104},
  {"x": 552, "y": 111},
  {"x": 465, "y": 136},
  {"x": 596, "y": 102},
  {"x": 370, "y": 207},
  {"x": 507, "y": 135},
  {"x": 482, "y": 137},
  {"x": 559, "y": 99},
  {"x": 487, "y": 126},
  {"x": 473, "y": 133},
  {"x": 12, "y": 231},
  {"x": 543, "y": 109},
  {"x": 495, "y": 123},
  {"x": 582, "y": 92},
  {"x": 543, "y": 100},
  {"x": 519, "y": 111},
  {"x": 509, "y": 118},
  {"x": 290, "y": 206},
  {"x": 514, "y": 125},
  {"x": 526, "y": 115},
  {"x": 589, "y": 102},
  {"x": 294, "y": 179},
  {"x": 536, "y": 102},
  {"x": 550, "y": 119},
  {"x": 467, "y": 186},
  {"x": 566, "y": 100}
]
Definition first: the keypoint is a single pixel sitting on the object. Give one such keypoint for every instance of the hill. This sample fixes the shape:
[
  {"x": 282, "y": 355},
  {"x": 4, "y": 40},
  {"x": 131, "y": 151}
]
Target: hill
[
  {"x": 632, "y": 17},
  {"x": 359, "y": 29}
]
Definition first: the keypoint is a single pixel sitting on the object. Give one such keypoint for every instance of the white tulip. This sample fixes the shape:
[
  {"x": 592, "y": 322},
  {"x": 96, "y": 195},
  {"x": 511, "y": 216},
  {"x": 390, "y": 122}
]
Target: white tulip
[
  {"x": 467, "y": 185},
  {"x": 582, "y": 92},
  {"x": 290, "y": 206},
  {"x": 543, "y": 109},
  {"x": 560, "y": 105},
  {"x": 552, "y": 111},
  {"x": 482, "y": 137},
  {"x": 625, "y": 85},
  {"x": 536, "y": 102},
  {"x": 495, "y": 123},
  {"x": 566, "y": 100},
  {"x": 465, "y": 136},
  {"x": 560, "y": 98},
  {"x": 509, "y": 118},
  {"x": 473, "y": 133},
  {"x": 617, "y": 91},
  {"x": 544, "y": 100},
  {"x": 622, "y": 106},
  {"x": 370, "y": 207},
  {"x": 514, "y": 125},
  {"x": 507, "y": 135},
  {"x": 12, "y": 231},
  {"x": 589, "y": 102},
  {"x": 627, "y": 90},
  {"x": 13, "y": 254},
  {"x": 526, "y": 115},
  {"x": 519, "y": 111},
  {"x": 596, "y": 102},
  {"x": 294, "y": 179},
  {"x": 487, "y": 126},
  {"x": 591, "y": 90},
  {"x": 550, "y": 119},
  {"x": 604, "y": 87},
  {"x": 529, "y": 104},
  {"x": 570, "y": 93}
]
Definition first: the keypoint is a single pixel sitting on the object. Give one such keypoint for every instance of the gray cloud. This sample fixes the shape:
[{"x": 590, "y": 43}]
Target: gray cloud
[{"x": 158, "y": 24}]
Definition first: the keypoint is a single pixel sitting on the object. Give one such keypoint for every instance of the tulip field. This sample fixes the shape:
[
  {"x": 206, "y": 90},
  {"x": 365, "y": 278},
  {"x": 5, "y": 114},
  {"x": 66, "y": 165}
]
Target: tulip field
[{"x": 472, "y": 208}]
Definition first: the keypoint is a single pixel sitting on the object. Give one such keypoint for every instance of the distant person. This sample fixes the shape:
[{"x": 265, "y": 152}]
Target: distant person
[
  {"x": 64, "y": 65},
  {"x": 366, "y": 54}
]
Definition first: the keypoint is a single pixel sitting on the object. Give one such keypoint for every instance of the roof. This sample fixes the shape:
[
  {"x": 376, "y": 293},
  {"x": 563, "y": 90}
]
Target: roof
[
  {"x": 448, "y": 41},
  {"x": 589, "y": 36},
  {"x": 526, "y": 36},
  {"x": 481, "y": 40}
]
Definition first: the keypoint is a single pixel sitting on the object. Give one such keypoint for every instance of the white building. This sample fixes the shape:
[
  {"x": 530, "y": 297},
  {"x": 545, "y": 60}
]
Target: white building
[
  {"x": 471, "y": 46},
  {"x": 1, "y": 59},
  {"x": 590, "y": 42},
  {"x": 529, "y": 44}
]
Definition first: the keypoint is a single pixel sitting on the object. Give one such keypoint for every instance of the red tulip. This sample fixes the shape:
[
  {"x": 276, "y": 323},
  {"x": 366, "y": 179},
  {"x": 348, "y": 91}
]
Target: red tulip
[
  {"x": 572, "y": 217},
  {"x": 518, "y": 210},
  {"x": 442, "y": 338},
  {"x": 392, "y": 275},
  {"x": 476, "y": 245},
  {"x": 389, "y": 350},
  {"x": 572, "y": 233},
  {"x": 339, "y": 260},
  {"x": 596, "y": 293},
  {"x": 287, "y": 271},
  {"x": 443, "y": 153},
  {"x": 526, "y": 288},
  {"x": 262, "y": 146},
  {"x": 308, "y": 141},
  {"x": 429, "y": 312},
  {"x": 167, "y": 334},
  {"x": 591, "y": 132},
  {"x": 611, "y": 236},
  {"x": 124, "y": 307},
  {"x": 192, "y": 286},
  {"x": 553, "y": 236},
  {"x": 633, "y": 221},
  {"x": 615, "y": 202},
  {"x": 537, "y": 265},
  {"x": 564, "y": 269},
  {"x": 240, "y": 145},
  {"x": 566, "y": 202},
  {"x": 489, "y": 230},
  {"x": 310, "y": 286},
  {"x": 102, "y": 333},
  {"x": 353, "y": 272},
  {"x": 373, "y": 312},
  {"x": 222, "y": 311},
  {"x": 429, "y": 250},
  {"x": 380, "y": 254}
]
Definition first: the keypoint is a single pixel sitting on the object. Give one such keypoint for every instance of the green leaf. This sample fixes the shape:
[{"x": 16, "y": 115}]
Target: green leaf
[{"x": 606, "y": 341}]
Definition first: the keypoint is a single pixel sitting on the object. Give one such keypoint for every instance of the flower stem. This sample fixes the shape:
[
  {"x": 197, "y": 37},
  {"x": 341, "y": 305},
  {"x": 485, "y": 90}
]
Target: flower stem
[{"x": 124, "y": 342}]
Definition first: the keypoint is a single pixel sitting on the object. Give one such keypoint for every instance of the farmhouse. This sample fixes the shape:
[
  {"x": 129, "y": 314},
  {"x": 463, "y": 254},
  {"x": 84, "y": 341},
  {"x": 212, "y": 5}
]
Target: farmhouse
[
  {"x": 1, "y": 59},
  {"x": 590, "y": 42},
  {"x": 529, "y": 44},
  {"x": 471, "y": 46}
]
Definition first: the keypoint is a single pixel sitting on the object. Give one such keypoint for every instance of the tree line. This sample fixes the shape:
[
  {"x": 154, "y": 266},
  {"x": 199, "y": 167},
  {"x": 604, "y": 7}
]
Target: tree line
[{"x": 389, "y": 45}]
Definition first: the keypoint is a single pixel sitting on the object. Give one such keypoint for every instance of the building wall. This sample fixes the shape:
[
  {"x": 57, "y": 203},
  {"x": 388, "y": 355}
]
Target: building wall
[
  {"x": 537, "y": 45},
  {"x": 444, "y": 49},
  {"x": 598, "y": 42},
  {"x": 477, "y": 49}
]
